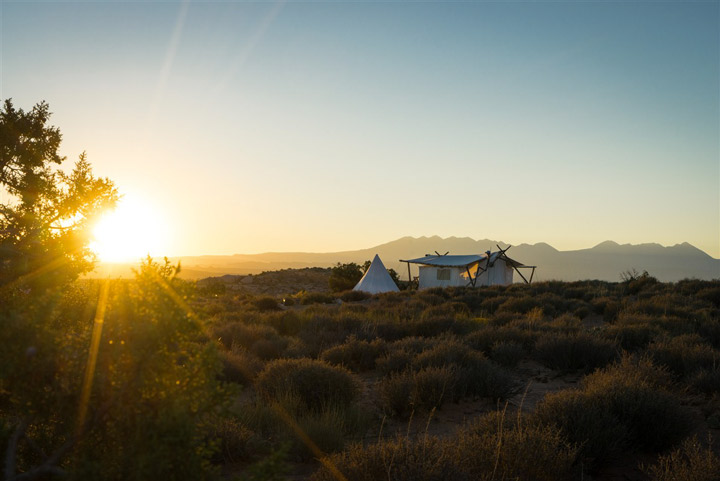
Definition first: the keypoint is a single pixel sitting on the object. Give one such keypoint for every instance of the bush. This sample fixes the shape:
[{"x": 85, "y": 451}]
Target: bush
[
  {"x": 401, "y": 393},
  {"x": 286, "y": 420},
  {"x": 631, "y": 337},
  {"x": 707, "y": 381},
  {"x": 316, "y": 298},
  {"x": 355, "y": 354},
  {"x": 493, "y": 447},
  {"x": 684, "y": 355},
  {"x": 236, "y": 441},
  {"x": 400, "y": 459},
  {"x": 485, "y": 379},
  {"x": 574, "y": 352},
  {"x": 394, "y": 393},
  {"x": 484, "y": 339},
  {"x": 242, "y": 335},
  {"x": 394, "y": 361},
  {"x": 623, "y": 407},
  {"x": 344, "y": 277},
  {"x": 324, "y": 432},
  {"x": 354, "y": 296},
  {"x": 507, "y": 353},
  {"x": 432, "y": 387},
  {"x": 240, "y": 366},
  {"x": 445, "y": 353},
  {"x": 266, "y": 304},
  {"x": 690, "y": 462},
  {"x": 316, "y": 383}
]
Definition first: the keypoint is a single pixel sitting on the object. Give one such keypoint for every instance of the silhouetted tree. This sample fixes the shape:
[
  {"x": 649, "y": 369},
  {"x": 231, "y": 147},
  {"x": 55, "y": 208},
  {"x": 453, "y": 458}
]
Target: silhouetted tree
[
  {"x": 345, "y": 276},
  {"x": 44, "y": 224}
]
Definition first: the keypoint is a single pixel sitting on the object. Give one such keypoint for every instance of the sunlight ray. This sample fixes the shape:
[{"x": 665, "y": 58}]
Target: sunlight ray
[
  {"x": 167, "y": 64},
  {"x": 92, "y": 356},
  {"x": 239, "y": 60}
]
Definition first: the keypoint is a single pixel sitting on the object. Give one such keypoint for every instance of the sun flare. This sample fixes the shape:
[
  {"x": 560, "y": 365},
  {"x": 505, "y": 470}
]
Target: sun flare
[{"x": 133, "y": 230}]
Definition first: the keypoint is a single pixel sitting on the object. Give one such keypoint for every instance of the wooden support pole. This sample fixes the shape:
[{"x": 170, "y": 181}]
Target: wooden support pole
[
  {"x": 532, "y": 274},
  {"x": 472, "y": 281},
  {"x": 518, "y": 271}
]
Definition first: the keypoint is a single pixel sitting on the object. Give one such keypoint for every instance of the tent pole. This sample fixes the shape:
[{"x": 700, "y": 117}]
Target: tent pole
[
  {"x": 518, "y": 271},
  {"x": 409, "y": 278},
  {"x": 532, "y": 274}
]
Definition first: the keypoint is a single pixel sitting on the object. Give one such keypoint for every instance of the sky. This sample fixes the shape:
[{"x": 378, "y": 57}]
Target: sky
[{"x": 249, "y": 127}]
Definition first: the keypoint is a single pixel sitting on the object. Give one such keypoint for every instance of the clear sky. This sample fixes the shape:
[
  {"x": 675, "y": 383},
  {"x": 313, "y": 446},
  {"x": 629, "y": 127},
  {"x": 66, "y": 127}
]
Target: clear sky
[{"x": 323, "y": 126}]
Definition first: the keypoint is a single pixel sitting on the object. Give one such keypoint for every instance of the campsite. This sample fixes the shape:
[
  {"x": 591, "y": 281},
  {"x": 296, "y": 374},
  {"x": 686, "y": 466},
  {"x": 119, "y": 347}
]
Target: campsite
[{"x": 428, "y": 240}]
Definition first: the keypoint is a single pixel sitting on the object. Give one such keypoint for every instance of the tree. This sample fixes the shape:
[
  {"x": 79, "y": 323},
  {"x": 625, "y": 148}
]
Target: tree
[
  {"x": 45, "y": 224},
  {"x": 345, "y": 276},
  {"x": 150, "y": 384}
]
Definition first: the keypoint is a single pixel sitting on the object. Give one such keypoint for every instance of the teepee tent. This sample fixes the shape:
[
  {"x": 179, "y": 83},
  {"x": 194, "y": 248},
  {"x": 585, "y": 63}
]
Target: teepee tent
[{"x": 376, "y": 279}]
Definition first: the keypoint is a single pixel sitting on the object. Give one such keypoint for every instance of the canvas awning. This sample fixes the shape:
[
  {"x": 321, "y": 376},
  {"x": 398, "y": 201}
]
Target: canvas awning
[{"x": 460, "y": 260}]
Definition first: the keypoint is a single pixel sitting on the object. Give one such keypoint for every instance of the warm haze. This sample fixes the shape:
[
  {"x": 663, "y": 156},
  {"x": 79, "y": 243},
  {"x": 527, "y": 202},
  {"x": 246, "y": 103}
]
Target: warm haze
[{"x": 236, "y": 127}]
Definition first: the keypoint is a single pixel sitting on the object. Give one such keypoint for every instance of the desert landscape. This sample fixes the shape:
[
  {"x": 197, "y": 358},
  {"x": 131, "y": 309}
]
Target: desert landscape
[{"x": 359, "y": 240}]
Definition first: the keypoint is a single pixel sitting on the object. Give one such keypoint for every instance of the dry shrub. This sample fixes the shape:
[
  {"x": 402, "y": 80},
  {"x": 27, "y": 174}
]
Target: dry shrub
[
  {"x": 236, "y": 442},
  {"x": 624, "y": 407},
  {"x": 631, "y": 337},
  {"x": 268, "y": 349},
  {"x": 710, "y": 332},
  {"x": 574, "y": 351},
  {"x": 608, "y": 307},
  {"x": 707, "y": 380},
  {"x": 484, "y": 339},
  {"x": 354, "y": 296},
  {"x": 447, "y": 352},
  {"x": 287, "y": 323},
  {"x": 484, "y": 379},
  {"x": 496, "y": 448},
  {"x": 566, "y": 323},
  {"x": 401, "y": 393},
  {"x": 287, "y": 420},
  {"x": 432, "y": 387},
  {"x": 684, "y": 355},
  {"x": 316, "y": 383},
  {"x": 711, "y": 295},
  {"x": 308, "y": 298},
  {"x": 265, "y": 303},
  {"x": 521, "y": 305},
  {"x": 507, "y": 353},
  {"x": 690, "y": 462},
  {"x": 355, "y": 354},
  {"x": 394, "y": 393},
  {"x": 240, "y": 366},
  {"x": 400, "y": 354},
  {"x": 394, "y": 361},
  {"x": 400, "y": 459},
  {"x": 241, "y": 334}
]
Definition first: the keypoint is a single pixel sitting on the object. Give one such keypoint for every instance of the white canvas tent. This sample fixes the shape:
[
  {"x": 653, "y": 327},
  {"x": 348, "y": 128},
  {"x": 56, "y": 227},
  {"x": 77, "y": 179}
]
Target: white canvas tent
[
  {"x": 487, "y": 269},
  {"x": 376, "y": 279}
]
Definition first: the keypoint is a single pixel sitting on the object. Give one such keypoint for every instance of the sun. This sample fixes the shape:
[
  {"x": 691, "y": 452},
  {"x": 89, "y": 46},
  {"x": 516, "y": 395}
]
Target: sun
[{"x": 131, "y": 231}]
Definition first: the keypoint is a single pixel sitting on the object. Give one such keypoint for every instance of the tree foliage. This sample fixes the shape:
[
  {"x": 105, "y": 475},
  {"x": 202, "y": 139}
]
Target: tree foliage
[
  {"x": 44, "y": 225},
  {"x": 98, "y": 379},
  {"x": 345, "y": 276}
]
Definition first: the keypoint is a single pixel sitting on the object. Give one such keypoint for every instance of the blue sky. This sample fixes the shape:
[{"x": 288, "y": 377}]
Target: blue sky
[{"x": 319, "y": 126}]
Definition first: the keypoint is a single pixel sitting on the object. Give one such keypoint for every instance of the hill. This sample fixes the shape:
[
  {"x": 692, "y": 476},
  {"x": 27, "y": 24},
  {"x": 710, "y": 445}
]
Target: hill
[{"x": 605, "y": 261}]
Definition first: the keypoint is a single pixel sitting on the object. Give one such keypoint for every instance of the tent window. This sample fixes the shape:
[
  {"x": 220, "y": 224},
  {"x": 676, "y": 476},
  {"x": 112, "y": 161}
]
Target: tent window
[{"x": 443, "y": 274}]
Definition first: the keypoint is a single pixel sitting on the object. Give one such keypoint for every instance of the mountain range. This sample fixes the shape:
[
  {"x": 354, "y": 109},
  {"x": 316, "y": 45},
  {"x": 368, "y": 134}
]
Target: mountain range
[{"x": 606, "y": 261}]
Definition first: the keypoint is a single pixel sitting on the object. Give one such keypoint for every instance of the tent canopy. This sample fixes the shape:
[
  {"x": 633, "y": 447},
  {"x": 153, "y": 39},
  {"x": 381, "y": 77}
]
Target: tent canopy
[
  {"x": 376, "y": 279},
  {"x": 460, "y": 261}
]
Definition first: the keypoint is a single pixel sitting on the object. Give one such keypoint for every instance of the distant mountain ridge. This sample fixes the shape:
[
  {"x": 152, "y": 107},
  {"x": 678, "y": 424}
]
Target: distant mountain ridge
[{"x": 605, "y": 261}]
